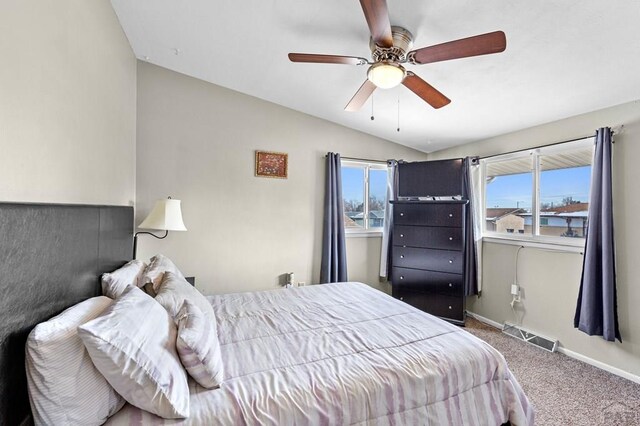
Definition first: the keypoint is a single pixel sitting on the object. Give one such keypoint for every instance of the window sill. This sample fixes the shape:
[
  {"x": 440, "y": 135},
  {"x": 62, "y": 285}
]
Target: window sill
[
  {"x": 565, "y": 246},
  {"x": 363, "y": 234}
]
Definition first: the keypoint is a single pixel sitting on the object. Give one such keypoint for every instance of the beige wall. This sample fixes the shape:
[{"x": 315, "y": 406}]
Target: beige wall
[
  {"x": 196, "y": 142},
  {"x": 67, "y": 103},
  {"x": 363, "y": 258},
  {"x": 551, "y": 280}
]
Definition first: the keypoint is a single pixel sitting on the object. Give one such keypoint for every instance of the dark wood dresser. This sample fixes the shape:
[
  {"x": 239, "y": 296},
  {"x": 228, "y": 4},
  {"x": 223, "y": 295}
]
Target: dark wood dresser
[
  {"x": 428, "y": 256},
  {"x": 428, "y": 237}
]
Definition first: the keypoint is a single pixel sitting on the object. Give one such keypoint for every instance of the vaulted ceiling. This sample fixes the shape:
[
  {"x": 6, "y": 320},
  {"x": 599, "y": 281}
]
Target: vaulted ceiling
[{"x": 563, "y": 58}]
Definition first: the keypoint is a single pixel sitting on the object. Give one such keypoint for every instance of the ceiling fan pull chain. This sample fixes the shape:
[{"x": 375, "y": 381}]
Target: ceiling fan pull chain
[
  {"x": 372, "y": 117},
  {"x": 398, "y": 129}
]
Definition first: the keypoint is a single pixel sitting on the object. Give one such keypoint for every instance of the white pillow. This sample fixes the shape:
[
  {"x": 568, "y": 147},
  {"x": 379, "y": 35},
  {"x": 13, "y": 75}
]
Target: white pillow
[
  {"x": 133, "y": 345},
  {"x": 198, "y": 346},
  {"x": 174, "y": 290},
  {"x": 64, "y": 386},
  {"x": 114, "y": 283},
  {"x": 158, "y": 265}
]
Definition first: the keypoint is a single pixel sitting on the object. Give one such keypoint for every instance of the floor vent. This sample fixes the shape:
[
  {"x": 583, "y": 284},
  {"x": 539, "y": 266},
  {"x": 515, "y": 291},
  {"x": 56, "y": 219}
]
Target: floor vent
[{"x": 527, "y": 336}]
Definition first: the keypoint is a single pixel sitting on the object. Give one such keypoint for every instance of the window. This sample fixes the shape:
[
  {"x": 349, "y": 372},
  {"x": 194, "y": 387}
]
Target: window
[
  {"x": 541, "y": 194},
  {"x": 364, "y": 190}
]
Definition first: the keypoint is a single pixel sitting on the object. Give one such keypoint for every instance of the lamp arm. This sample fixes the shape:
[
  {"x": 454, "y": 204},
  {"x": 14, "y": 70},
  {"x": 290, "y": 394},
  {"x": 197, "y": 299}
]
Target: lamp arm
[
  {"x": 135, "y": 239},
  {"x": 152, "y": 234}
]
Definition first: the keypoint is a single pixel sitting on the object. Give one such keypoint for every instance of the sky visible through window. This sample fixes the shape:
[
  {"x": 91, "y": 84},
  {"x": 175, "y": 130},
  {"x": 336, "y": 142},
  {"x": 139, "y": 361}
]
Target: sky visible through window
[
  {"x": 555, "y": 185},
  {"x": 353, "y": 184}
]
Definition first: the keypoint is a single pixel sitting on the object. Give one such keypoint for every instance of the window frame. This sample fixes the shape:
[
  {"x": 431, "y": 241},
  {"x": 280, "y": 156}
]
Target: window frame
[
  {"x": 534, "y": 238},
  {"x": 367, "y": 166}
]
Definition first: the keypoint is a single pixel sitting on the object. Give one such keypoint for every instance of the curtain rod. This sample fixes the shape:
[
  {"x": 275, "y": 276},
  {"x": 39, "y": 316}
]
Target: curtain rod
[
  {"x": 617, "y": 129},
  {"x": 362, "y": 159},
  {"x": 536, "y": 147}
]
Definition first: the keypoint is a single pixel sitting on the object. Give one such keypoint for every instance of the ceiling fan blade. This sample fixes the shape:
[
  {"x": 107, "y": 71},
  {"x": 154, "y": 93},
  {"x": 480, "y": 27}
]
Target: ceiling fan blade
[
  {"x": 377, "y": 15},
  {"x": 326, "y": 59},
  {"x": 426, "y": 91},
  {"x": 483, "y": 44},
  {"x": 361, "y": 96}
]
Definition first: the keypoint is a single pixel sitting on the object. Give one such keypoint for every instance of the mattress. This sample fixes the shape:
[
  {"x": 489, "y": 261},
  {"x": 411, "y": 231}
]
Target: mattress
[{"x": 343, "y": 354}]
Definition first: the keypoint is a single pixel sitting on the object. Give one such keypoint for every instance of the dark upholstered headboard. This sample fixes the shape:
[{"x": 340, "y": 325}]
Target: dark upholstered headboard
[{"x": 51, "y": 257}]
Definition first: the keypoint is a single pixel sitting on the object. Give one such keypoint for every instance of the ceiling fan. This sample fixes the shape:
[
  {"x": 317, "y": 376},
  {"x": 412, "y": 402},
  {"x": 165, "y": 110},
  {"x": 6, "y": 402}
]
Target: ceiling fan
[{"x": 390, "y": 48}]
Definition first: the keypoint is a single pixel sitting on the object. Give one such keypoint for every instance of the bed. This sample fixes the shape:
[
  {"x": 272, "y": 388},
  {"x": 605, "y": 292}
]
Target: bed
[
  {"x": 328, "y": 354},
  {"x": 346, "y": 354}
]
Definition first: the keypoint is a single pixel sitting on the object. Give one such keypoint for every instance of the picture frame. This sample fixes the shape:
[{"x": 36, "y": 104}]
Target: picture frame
[{"x": 272, "y": 164}]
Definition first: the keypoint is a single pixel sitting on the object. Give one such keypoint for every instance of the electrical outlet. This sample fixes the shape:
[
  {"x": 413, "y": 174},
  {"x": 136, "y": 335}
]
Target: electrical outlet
[{"x": 515, "y": 290}]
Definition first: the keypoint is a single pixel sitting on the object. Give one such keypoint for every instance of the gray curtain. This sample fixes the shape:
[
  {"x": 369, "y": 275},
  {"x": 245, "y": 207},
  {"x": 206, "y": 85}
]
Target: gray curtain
[
  {"x": 470, "y": 264},
  {"x": 334, "y": 253},
  {"x": 596, "y": 311},
  {"x": 385, "y": 252}
]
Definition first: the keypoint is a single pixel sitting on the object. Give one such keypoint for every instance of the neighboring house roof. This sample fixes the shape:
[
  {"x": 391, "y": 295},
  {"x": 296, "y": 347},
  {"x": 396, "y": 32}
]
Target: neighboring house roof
[
  {"x": 498, "y": 213},
  {"x": 570, "y": 208},
  {"x": 374, "y": 214},
  {"x": 350, "y": 223},
  {"x": 574, "y": 214},
  {"x": 582, "y": 214}
]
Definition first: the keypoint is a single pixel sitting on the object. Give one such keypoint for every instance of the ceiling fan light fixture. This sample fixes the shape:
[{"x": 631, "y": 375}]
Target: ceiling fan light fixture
[{"x": 386, "y": 75}]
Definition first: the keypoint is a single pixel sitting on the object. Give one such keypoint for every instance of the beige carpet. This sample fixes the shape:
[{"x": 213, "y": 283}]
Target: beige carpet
[{"x": 564, "y": 391}]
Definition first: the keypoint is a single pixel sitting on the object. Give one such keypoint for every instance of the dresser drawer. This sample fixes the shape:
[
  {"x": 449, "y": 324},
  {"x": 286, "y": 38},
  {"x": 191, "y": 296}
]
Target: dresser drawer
[
  {"x": 423, "y": 301},
  {"x": 451, "y": 308},
  {"x": 428, "y": 214},
  {"x": 448, "y": 307},
  {"x": 437, "y": 237},
  {"x": 430, "y": 281},
  {"x": 433, "y": 260}
]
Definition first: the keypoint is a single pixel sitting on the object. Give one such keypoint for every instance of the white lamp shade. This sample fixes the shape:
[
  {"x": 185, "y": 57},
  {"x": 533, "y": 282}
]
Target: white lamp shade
[{"x": 165, "y": 216}]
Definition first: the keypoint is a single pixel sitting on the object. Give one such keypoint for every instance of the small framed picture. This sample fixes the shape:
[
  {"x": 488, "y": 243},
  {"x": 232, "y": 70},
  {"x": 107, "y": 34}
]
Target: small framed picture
[{"x": 271, "y": 164}]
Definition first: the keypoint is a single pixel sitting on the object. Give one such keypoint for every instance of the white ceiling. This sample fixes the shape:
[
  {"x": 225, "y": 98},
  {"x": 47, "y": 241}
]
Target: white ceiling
[{"x": 563, "y": 57}]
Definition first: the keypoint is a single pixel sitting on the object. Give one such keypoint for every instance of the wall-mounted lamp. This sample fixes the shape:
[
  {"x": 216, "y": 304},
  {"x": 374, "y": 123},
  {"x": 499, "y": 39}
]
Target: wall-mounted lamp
[{"x": 165, "y": 216}]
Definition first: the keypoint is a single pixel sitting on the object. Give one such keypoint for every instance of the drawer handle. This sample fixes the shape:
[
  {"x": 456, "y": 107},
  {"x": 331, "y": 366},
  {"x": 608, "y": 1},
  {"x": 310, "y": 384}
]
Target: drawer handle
[
  {"x": 450, "y": 285},
  {"x": 450, "y": 238},
  {"x": 402, "y": 256},
  {"x": 401, "y": 277},
  {"x": 450, "y": 214},
  {"x": 401, "y": 235},
  {"x": 450, "y": 261}
]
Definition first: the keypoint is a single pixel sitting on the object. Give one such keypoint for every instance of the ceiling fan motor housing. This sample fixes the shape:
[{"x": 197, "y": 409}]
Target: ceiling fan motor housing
[{"x": 402, "y": 44}]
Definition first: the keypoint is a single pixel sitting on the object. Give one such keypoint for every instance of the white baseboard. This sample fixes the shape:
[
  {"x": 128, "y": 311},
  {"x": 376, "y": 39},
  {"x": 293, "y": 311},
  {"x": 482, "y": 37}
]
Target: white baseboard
[
  {"x": 485, "y": 320},
  {"x": 571, "y": 354},
  {"x": 601, "y": 365}
]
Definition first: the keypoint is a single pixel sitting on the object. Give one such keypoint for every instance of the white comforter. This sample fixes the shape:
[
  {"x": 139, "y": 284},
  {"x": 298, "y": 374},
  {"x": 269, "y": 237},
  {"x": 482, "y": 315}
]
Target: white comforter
[{"x": 346, "y": 354}]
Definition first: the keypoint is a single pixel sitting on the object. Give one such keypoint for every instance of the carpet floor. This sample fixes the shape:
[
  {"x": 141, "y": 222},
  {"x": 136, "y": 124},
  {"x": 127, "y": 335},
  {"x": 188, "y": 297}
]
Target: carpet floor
[{"x": 564, "y": 391}]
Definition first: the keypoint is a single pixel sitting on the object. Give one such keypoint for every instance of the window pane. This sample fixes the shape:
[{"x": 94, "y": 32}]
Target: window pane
[
  {"x": 509, "y": 195},
  {"x": 353, "y": 196},
  {"x": 564, "y": 193},
  {"x": 377, "y": 197}
]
